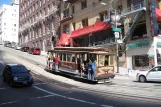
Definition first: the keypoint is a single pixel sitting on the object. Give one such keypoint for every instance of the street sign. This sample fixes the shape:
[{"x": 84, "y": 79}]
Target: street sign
[
  {"x": 117, "y": 35},
  {"x": 116, "y": 29}
]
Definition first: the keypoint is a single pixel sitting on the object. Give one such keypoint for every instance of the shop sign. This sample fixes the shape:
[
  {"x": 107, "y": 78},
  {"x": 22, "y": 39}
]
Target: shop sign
[
  {"x": 116, "y": 29},
  {"x": 137, "y": 45},
  {"x": 159, "y": 44}
]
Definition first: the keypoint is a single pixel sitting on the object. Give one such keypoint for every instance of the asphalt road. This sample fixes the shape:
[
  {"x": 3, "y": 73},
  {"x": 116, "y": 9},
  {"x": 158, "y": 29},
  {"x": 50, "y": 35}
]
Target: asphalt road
[{"x": 46, "y": 92}]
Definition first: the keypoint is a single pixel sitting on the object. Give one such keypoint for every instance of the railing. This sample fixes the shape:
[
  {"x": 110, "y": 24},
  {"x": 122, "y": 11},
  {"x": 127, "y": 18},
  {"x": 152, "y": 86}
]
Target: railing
[
  {"x": 104, "y": 42},
  {"x": 133, "y": 8}
]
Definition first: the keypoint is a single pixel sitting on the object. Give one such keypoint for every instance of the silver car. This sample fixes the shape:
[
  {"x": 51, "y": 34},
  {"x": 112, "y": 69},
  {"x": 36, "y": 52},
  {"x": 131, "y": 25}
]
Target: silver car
[
  {"x": 153, "y": 74},
  {"x": 17, "y": 47}
]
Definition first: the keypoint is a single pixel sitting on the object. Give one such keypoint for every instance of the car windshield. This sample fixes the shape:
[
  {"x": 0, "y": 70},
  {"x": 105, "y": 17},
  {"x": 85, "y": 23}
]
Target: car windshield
[{"x": 19, "y": 69}]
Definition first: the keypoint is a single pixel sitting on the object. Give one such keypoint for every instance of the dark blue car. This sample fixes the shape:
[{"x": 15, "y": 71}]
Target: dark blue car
[{"x": 17, "y": 75}]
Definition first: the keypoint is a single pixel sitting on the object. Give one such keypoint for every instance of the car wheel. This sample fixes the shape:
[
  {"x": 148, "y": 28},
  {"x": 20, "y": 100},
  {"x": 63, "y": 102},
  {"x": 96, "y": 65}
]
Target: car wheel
[
  {"x": 29, "y": 85},
  {"x": 142, "y": 79}
]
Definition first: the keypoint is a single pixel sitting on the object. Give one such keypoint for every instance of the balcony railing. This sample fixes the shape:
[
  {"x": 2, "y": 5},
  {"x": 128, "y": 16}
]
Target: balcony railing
[
  {"x": 66, "y": 17},
  {"x": 133, "y": 8},
  {"x": 104, "y": 42}
]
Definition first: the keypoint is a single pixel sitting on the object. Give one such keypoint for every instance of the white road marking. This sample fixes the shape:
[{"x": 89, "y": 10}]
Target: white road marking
[
  {"x": 70, "y": 98},
  {"x": 9, "y": 102},
  {"x": 106, "y": 106},
  {"x": 83, "y": 101},
  {"x": 49, "y": 92},
  {"x": 43, "y": 97},
  {"x": 39, "y": 83},
  {"x": 4, "y": 88}
]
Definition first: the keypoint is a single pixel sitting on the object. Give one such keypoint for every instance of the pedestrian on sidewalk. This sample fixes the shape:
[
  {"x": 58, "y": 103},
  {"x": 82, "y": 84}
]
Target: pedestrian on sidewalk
[{"x": 47, "y": 59}]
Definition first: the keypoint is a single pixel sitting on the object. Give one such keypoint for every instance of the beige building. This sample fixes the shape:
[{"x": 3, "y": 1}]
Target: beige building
[{"x": 87, "y": 23}]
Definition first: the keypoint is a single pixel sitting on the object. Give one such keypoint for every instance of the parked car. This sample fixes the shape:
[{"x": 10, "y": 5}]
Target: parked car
[
  {"x": 153, "y": 74},
  {"x": 34, "y": 51},
  {"x": 17, "y": 75},
  {"x": 24, "y": 49},
  {"x": 7, "y": 44},
  {"x": 17, "y": 47},
  {"x": 13, "y": 46}
]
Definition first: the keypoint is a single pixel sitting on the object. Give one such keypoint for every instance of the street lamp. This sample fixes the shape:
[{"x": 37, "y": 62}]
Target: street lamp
[{"x": 114, "y": 18}]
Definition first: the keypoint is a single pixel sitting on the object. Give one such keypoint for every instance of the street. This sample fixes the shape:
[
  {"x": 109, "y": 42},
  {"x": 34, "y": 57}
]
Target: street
[{"x": 54, "y": 92}]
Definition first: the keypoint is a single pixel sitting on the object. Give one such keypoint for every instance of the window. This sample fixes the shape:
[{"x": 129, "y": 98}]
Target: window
[
  {"x": 14, "y": 25},
  {"x": 66, "y": 28},
  {"x": 111, "y": 60},
  {"x": 66, "y": 13},
  {"x": 106, "y": 60},
  {"x": 64, "y": 57},
  {"x": 48, "y": 8},
  {"x": 85, "y": 22},
  {"x": 101, "y": 60},
  {"x": 44, "y": 1},
  {"x": 139, "y": 32},
  {"x": 40, "y": 3},
  {"x": 18, "y": 69},
  {"x": 141, "y": 61},
  {"x": 119, "y": 8},
  {"x": 156, "y": 69},
  {"x": 37, "y": 5},
  {"x": 61, "y": 57},
  {"x": 44, "y": 11},
  {"x": 68, "y": 57},
  {"x": 84, "y": 4},
  {"x": 73, "y": 26},
  {"x": 73, "y": 9},
  {"x": 103, "y": 16}
]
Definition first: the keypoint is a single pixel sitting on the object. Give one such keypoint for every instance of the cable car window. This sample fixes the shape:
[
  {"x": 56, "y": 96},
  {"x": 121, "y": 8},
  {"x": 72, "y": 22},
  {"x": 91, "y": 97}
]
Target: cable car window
[
  {"x": 101, "y": 60},
  {"x": 68, "y": 57},
  {"x": 111, "y": 60},
  {"x": 64, "y": 57}
]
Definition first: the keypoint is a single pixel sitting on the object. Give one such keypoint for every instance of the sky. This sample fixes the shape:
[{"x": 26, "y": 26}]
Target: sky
[{"x": 5, "y": 2}]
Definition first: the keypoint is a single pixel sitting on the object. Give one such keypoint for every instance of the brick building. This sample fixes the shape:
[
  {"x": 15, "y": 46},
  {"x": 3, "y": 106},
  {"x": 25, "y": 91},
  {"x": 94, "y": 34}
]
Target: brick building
[{"x": 39, "y": 23}]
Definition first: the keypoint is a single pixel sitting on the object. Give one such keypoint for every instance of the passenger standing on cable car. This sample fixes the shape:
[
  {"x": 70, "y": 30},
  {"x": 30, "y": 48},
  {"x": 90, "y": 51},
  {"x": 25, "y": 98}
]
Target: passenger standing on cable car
[
  {"x": 56, "y": 62},
  {"x": 93, "y": 69},
  {"x": 90, "y": 71}
]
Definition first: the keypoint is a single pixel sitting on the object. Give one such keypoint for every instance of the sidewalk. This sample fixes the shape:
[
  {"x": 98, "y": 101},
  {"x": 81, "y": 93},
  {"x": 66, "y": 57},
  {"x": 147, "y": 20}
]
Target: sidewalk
[{"x": 125, "y": 72}]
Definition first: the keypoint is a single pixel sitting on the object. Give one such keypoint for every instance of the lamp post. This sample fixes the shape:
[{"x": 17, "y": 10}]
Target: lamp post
[{"x": 114, "y": 18}]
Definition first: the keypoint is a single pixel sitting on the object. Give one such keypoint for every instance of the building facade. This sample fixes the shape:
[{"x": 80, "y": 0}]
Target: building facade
[
  {"x": 39, "y": 23},
  {"x": 87, "y": 23},
  {"x": 9, "y": 22}
]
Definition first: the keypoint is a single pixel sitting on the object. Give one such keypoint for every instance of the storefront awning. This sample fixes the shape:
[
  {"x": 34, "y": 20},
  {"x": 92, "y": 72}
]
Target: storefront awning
[
  {"x": 90, "y": 29},
  {"x": 158, "y": 14},
  {"x": 64, "y": 40}
]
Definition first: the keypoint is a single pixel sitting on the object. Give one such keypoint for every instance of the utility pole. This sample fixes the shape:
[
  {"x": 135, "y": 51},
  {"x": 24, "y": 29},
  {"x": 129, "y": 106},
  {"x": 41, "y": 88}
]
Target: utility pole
[{"x": 115, "y": 18}]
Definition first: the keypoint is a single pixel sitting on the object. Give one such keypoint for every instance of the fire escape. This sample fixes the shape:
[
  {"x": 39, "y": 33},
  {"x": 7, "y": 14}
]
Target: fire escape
[{"x": 138, "y": 11}]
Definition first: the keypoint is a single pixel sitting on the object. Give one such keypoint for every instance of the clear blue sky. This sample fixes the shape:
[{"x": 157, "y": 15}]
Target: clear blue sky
[{"x": 5, "y": 2}]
